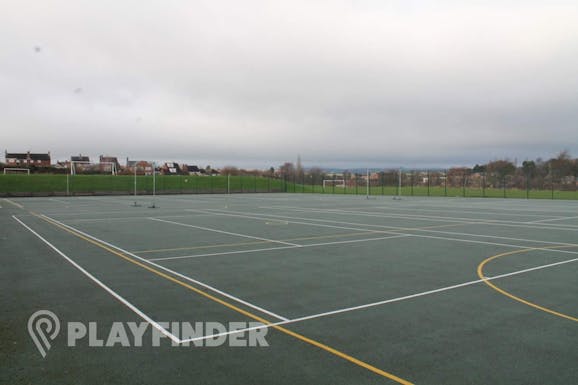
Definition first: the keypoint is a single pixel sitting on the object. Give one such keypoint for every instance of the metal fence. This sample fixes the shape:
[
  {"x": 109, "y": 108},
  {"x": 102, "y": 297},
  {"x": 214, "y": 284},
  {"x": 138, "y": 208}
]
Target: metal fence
[
  {"x": 448, "y": 183},
  {"x": 445, "y": 183}
]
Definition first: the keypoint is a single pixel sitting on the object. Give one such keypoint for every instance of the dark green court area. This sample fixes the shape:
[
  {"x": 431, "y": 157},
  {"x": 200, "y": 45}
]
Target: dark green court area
[{"x": 347, "y": 289}]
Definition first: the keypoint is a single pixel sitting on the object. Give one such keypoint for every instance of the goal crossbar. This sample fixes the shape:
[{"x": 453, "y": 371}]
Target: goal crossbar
[
  {"x": 16, "y": 169},
  {"x": 334, "y": 182}
]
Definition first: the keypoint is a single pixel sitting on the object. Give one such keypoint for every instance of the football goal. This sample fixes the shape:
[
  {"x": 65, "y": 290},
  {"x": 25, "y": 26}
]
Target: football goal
[
  {"x": 14, "y": 170},
  {"x": 333, "y": 182},
  {"x": 81, "y": 167}
]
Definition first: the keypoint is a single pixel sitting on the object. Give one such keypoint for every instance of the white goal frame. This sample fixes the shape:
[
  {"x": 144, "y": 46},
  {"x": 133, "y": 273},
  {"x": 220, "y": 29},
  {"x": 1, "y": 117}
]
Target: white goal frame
[
  {"x": 336, "y": 182},
  {"x": 112, "y": 165},
  {"x": 16, "y": 169}
]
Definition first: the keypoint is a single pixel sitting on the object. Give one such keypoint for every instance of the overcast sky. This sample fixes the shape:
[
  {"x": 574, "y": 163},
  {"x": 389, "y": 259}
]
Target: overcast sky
[{"x": 256, "y": 83}]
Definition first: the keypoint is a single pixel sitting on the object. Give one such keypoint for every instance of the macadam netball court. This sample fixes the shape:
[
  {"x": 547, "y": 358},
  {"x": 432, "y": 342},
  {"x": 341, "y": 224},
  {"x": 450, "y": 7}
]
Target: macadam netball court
[{"x": 351, "y": 290}]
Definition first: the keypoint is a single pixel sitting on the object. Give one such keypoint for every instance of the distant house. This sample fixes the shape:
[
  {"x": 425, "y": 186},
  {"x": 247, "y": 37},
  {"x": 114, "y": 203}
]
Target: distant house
[
  {"x": 140, "y": 167},
  {"x": 171, "y": 168},
  {"x": 79, "y": 163},
  {"x": 80, "y": 159},
  {"x": 192, "y": 170},
  {"x": 108, "y": 164},
  {"x": 27, "y": 159}
]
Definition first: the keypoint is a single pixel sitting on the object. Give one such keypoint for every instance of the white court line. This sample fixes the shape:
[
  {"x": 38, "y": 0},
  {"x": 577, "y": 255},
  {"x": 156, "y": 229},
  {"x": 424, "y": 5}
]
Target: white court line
[
  {"x": 392, "y": 231},
  {"x": 515, "y": 224},
  {"x": 446, "y": 209},
  {"x": 277, "y": 248},
  {"x": 225, "y": 232},
  {"x": 421, "y": 217},
  {"x": 59, "y": 201},
  {"x": 102, "y": 285},
  {"x": 260, "y": 218},
  {"x": 14, "y": 203},
  {"x": 133, "y": 218},
  {"x": 554, "y": 219},
  {"x": 223, "y": 253},
  {"x": 206, "y": 286},
  {"x": 392, "y": 300}
]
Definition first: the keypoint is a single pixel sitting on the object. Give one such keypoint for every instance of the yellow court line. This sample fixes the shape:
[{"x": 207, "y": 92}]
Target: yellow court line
[
  {"x": 480, "y": 271},
  {"x": 235, "y": 308}
]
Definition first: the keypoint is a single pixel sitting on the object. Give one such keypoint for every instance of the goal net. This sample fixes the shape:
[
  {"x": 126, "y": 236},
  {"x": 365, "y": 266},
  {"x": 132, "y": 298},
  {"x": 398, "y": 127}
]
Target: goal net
[
  {"x": 79, "y": 168},
  {"x": 333, "y": 182},
  {"x": 13, "y": 170}
]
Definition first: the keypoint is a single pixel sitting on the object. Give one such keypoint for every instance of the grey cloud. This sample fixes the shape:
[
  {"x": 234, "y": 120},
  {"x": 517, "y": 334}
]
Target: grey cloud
[{"x": 258, "y": 82}]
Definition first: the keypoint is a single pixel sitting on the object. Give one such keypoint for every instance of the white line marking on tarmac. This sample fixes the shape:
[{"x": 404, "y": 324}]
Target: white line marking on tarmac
[
  {"x": 392, "y": 300},
  {"x": 14, "y": 203},
  {"x": 469, "y": 221},
  {"x": 277, "y": 248},
  {"x": 225, "y": 232},
  {"x": 554, "y": 219},
  {"x": 214, "y": 289},
  {"x": 393, "y": 231},
  {"x": 102, "y": 285}
]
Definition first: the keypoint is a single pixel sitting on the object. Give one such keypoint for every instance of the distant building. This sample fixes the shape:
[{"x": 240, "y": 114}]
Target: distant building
[
  {"x": 27, "y": 159},
  {"x": 80, "y": 164},
  {"x": 140, "y": 167},
  {"x": 108, "y": 162},
  {"x": 80, "y": 159},
  {"x": 171, "y": 168},
  {"x": 191, "y": 170}
]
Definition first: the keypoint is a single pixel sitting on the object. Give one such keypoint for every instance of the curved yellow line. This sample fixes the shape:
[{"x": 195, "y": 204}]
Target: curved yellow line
[{"x": 480, "y": 271}]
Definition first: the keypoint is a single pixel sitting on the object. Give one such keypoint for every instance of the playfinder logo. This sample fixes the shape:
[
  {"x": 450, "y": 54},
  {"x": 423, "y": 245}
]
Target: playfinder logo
[{"x": 44, "y": 327}]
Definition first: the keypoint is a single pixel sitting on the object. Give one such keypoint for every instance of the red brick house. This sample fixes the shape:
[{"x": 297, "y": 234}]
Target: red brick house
[{"x": 27, "y": 159}]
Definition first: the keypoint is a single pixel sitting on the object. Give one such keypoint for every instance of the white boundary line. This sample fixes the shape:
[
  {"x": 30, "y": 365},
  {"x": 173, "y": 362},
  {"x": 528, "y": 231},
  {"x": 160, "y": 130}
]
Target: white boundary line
[
  {"x": 398, "y": 299},
  {"x": 515, "y": 224},
  {"x": 499, "y": 212},
  {"x": 555, "y": 219},
  {"x": 392, "y": 229},
  {"x": 313, "y": 316},
  {"x": 468, "y": 209},
  {"x": 278, "y": 248},
  {"x": 14, "y": 203},
  {"x": 263, "y": 217},
  {"x": 102, "y": 285},
  {"x": 225, "y": 232},
  {"x": 224, "y": 294}
]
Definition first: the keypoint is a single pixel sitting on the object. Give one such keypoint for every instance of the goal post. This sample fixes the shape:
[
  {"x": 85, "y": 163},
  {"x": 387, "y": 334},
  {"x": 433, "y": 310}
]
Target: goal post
[
  {"x": 16, "y": 170},
  {"x": 82, "y": 167},
  {"x": 333, "y": 182}
]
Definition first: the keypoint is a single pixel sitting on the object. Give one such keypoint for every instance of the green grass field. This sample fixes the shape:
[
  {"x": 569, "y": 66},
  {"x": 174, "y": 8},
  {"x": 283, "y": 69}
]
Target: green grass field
[{"x": 48, "y": 184}]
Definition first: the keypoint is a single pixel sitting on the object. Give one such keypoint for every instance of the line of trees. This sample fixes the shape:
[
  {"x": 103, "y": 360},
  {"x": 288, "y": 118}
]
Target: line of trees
[{"x": 560, "y": 171}]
